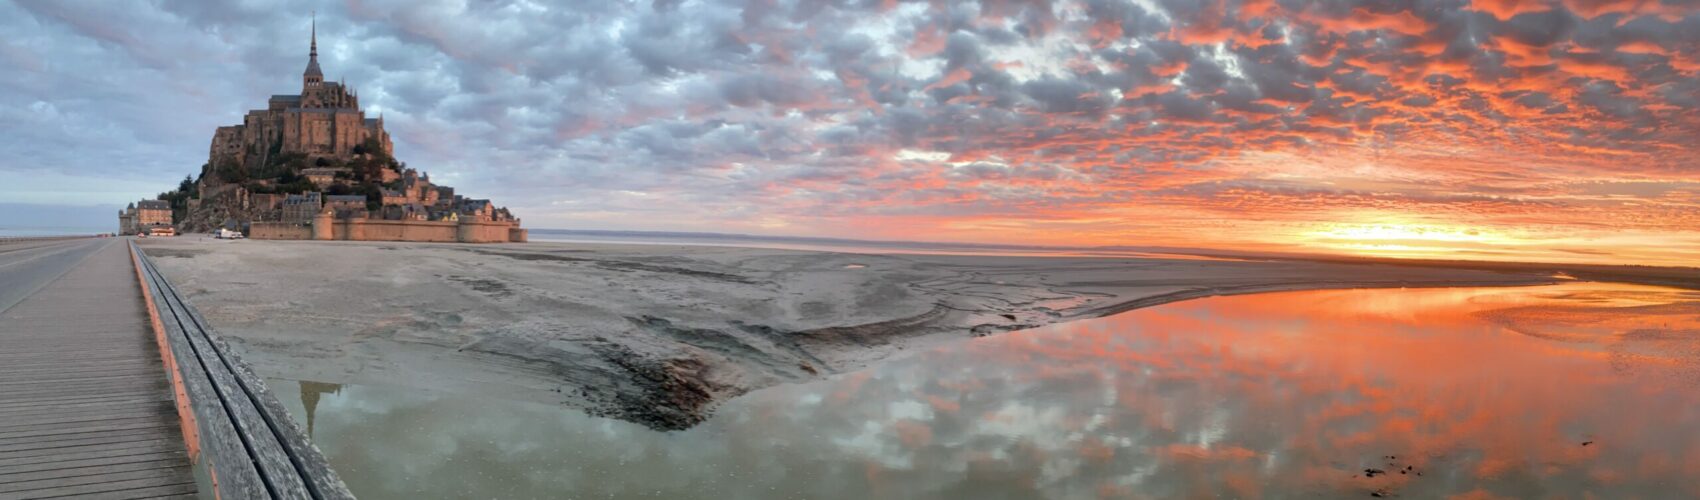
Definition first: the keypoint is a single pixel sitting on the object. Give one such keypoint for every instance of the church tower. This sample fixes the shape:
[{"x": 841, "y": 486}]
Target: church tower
[{"x": 312, "y": 77}]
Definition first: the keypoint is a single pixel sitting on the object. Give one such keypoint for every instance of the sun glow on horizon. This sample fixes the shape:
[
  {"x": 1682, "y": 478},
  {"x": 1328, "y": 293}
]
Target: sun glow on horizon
[{"x": 1408, "y": 232}]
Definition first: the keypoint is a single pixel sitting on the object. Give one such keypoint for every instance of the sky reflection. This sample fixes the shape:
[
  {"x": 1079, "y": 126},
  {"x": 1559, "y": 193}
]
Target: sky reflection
[{"x": 1568, "y": 390}]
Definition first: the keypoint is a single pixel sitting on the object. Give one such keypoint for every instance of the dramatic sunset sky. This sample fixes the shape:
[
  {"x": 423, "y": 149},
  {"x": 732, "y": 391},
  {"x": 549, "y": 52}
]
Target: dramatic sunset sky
[{"x": 1553, "y": 131}]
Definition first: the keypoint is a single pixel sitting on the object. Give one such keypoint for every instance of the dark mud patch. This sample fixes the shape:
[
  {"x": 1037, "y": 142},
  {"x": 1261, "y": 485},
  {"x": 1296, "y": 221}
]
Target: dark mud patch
[
  {"x": 987, "y": 329},
  {"x": 175, "y": 253},
  {"x": 787, "y": 341},
  {"x": 485, "y": 286},
  {"x": 618, "y": 265},
  {"x": 672, "y": 393},
  {"x": 716, "y": 341},
  {"x": 624, "y": 266},
  {"x": 869, "y": 334},
  {"x": 772, "y": 351},
  {"x": 533, "y": 256}
]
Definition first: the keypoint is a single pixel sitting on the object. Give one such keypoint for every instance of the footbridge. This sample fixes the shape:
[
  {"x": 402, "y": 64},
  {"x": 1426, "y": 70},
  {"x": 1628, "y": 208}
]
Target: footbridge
[{"x": 113, "y": 386}]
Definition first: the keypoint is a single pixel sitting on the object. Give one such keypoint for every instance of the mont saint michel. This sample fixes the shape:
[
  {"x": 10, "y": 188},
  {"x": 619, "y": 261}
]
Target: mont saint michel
[
  {"x": 313, "y": 165},
  {"x": 877, "y": 249}
]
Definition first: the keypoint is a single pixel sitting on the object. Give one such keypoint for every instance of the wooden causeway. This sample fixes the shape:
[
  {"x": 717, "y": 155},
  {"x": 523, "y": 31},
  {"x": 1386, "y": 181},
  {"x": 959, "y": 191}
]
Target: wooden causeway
[{"x": 85, "y": 406}]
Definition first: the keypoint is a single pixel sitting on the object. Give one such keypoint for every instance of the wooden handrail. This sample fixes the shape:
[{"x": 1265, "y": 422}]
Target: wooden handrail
[{"x": 247, "y": 440}]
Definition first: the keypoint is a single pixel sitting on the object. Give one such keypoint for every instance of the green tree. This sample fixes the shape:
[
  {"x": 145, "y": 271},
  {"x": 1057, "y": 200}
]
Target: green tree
[{"x": 229, "y": 170}]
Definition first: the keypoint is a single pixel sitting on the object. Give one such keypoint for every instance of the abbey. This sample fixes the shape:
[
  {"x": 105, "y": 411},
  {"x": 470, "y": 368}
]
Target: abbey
[
  {"x": 313, "y": 166},
  {"x": 323, "y": 121}
]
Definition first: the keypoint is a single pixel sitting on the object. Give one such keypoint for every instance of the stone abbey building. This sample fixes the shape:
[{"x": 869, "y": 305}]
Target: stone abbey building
[
  {"x": 313, "y": 166},
  {"x": 324, "y": 120}
]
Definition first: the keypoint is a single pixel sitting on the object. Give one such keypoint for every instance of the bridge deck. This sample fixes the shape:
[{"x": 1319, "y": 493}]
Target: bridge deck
[{"x": 85, "y": 406}]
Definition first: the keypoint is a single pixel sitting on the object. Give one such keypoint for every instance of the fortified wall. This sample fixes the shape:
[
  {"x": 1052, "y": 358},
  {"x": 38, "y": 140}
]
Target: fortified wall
[{"x": 440, "y": 231}]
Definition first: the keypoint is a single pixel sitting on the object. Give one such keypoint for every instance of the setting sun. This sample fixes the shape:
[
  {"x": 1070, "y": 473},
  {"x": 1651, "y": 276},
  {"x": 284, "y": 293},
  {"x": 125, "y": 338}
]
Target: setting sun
[{"x": 1405, "y": 240}]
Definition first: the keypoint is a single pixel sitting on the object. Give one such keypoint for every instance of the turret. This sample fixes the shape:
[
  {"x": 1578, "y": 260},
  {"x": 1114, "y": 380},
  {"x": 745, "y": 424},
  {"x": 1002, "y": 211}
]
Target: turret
[{"x": 322, "y": 224}]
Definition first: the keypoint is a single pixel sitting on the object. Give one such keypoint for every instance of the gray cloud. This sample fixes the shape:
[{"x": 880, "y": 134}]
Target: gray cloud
[{"x": 730, "y": 107}]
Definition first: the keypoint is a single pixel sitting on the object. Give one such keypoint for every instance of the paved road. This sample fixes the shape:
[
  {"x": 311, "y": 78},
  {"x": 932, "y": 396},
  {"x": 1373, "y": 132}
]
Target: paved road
[{"x": 26, "y": 267}]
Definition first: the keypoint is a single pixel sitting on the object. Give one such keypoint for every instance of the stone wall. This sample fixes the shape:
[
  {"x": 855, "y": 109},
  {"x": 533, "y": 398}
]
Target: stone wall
[
  {"x": 280, "y": 231},
  {"x": 392, "y": 230},
  {"x": 323, "y": 132},
  {"x": 403, "y": 230}
]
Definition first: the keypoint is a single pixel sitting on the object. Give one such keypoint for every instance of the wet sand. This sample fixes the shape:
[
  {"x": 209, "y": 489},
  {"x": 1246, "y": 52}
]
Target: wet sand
[{"x": 660, "y": 334}]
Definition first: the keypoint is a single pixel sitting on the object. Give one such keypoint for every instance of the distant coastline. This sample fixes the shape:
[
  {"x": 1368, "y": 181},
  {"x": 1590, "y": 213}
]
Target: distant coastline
[
  {"x": 1686, "y": 276},
  {"x": 870, "y": 246},
  {"x": 53, "y": 231}
]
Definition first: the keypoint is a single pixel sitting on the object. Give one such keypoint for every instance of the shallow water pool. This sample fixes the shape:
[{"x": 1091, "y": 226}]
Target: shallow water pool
[{"x": 1566, "y": 390}]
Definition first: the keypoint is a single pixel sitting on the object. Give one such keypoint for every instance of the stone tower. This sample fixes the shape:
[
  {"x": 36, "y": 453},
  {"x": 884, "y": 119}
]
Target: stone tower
[{"x": 312, "y": 77}]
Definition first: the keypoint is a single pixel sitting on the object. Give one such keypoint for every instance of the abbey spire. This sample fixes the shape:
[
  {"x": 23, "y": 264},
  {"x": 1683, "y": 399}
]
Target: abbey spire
[{"x": 312, "y": 77}]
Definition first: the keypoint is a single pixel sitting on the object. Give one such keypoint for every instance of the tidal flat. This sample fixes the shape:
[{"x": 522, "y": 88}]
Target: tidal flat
[
  {"x": 660, "y": 335},
  {"x": 1577, "y": 390}
]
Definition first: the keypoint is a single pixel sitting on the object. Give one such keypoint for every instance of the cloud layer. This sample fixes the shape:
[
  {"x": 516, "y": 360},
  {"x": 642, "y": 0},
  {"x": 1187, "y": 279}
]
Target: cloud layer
[{"x": 1495, "y": 129}]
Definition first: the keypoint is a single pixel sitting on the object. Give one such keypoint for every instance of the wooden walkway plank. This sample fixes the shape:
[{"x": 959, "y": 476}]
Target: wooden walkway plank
[
  {"x": 109, "y": 483},
  {"x": 102, "y": 459},
  {"x": 46, "y": 431},
  {"x": 117, "y": 406},
  {"x": 54, "y": 454},
  {"x": 174, "y": 492},
  {"x": 71, "y": 401},
  {"x": 84, "y": 403},
  {"x": 97, "y": 471},
  {"x": 85, "y": 414}
]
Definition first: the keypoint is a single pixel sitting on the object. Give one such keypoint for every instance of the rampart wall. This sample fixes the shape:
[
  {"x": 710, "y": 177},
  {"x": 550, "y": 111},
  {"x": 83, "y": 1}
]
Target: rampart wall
[
  {"x": 391, "y": 230},
  {"x": 280, "y": 231}
]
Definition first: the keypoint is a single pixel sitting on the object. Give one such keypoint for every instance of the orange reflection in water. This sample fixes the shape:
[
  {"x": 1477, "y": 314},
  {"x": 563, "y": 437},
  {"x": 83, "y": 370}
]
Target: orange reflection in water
[{"x": 1567, "y": 390}]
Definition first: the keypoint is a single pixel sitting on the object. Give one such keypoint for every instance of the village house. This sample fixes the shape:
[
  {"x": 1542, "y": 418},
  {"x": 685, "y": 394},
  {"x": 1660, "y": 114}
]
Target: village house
[
  {"x": 393, "y": 197},
  {"x": 347, "y": 206},
  {"x": 406, "y": 211},
  {"x": 322, "y": 177},
  {"x": 341, "y": 202},
  {"x": 301, "y": 208},
  {"x": 478, "y": 209},
  {"x": 143, "y": 216},
  {"x": 150, "y": 213}
]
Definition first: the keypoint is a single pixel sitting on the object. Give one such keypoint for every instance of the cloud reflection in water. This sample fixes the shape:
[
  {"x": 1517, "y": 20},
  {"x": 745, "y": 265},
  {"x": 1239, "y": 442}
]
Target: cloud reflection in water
[{"x": 1484, "y": 392}]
